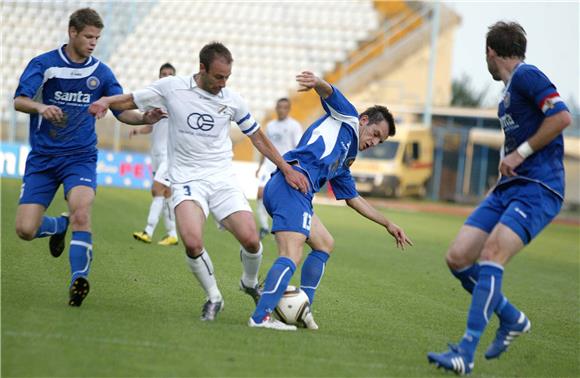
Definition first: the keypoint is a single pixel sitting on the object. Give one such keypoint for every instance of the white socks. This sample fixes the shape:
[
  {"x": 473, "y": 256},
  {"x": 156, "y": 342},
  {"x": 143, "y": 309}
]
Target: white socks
[
  {"x": 154, "y": 213},
  {"x": 202, "y": 269},
  {"x": 169, "y": 217},
  {"x": 262, "y": 214},
  {"x": 251, "y": 264}
]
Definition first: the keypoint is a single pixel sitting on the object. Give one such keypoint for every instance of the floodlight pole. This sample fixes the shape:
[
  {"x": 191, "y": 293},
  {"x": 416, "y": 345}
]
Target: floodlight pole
[{"x": 435, "y": 16}]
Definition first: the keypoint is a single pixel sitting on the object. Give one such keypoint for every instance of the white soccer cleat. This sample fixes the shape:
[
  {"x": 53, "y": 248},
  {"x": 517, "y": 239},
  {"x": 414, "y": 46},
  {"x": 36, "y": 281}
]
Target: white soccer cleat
[
  {"x": 309, "y": 322},
  {"x": 271, "y": 323}
]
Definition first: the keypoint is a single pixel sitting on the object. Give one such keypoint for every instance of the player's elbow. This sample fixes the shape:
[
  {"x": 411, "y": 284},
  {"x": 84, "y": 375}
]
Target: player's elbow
[{"x": 565, "y": 119}]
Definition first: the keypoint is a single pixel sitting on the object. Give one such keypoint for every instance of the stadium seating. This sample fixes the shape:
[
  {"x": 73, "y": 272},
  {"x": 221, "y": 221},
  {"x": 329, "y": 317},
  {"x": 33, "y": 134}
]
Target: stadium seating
[{"x": 270, "y": 41}]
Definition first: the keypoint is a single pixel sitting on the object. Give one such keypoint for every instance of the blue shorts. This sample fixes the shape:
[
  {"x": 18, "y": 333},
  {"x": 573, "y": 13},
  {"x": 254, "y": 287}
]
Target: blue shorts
[
  {"x": 525, "y": 207},
  {"x": 290, "y": 209},
  {"x": 44, "y": 174}
]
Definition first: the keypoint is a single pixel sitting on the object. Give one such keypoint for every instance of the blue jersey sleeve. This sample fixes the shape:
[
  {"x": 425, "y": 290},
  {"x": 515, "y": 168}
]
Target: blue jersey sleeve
[
  {"x": 113, "y": 88},
  {"x": 337, "y": 106},
  {"x": 535, "y": 86},
  {"x": 343, "y": 186},
  {"x": 30, "y": 80}
]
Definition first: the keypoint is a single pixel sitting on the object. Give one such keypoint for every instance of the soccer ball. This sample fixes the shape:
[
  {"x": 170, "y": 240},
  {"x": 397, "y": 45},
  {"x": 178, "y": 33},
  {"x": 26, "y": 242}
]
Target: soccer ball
[{"x": 293, "y": 306}]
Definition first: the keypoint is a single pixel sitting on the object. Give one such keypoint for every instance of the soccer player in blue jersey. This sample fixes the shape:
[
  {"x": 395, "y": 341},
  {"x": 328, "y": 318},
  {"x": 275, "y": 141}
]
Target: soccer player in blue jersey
[
  {"x": 325, "y": 153},
  {"x": 527, "y": 197},
  {"x": 56, "y": 89}
]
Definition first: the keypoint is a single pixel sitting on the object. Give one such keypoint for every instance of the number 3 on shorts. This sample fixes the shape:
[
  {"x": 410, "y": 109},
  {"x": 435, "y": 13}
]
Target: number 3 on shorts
[
  {"x": 306, "y": 220},
  {"x": 187, "y": 190}
]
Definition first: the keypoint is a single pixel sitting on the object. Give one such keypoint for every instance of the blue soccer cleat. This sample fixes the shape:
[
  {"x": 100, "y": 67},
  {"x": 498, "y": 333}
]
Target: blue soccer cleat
[
  {"x": 455, "y": 360},
  {"x": 505, "y": 334}
]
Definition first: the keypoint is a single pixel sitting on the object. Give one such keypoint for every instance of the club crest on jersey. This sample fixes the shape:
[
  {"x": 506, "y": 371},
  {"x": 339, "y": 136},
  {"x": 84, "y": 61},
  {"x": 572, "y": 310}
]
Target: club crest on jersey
[
  {"x": 203, "y": 122},
  {"x": 93, "y": 82},
  {"x": 506, "y": 100}
]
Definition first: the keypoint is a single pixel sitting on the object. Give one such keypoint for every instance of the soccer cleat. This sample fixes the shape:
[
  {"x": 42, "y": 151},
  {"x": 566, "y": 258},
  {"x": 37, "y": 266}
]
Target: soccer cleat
[
  {"x": 168, "y": 240},
  {"x": 78, "y": 291},
  {"x": 56, "y": 241},
  {"x": 454, "y": 359},
  {"x": 211, "y": 309},
  {"x": 309, "y": 322},
  {"x": 142, "y": 236},
  {"x": 254, "y": 292},
  {"x": 263, "y": 233},
  {"x": 505, "y": 334},
  {"x": 271, "y": 323}
]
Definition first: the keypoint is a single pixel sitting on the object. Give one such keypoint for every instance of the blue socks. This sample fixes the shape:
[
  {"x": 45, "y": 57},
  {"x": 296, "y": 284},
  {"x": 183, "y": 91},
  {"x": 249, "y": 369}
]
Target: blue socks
[
  {"x": 312, "y": 272},
  {"x": 485, "y": 299},
  {"x": 51, "y": 226},
  {"x": 81, "y": 254},
  {"x": 469, "y": 276},
  {"x": 276, "y": 282}
]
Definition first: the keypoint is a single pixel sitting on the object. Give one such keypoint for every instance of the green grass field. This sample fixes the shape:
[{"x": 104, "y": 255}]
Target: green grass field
[{"x": 379, "y": 310}]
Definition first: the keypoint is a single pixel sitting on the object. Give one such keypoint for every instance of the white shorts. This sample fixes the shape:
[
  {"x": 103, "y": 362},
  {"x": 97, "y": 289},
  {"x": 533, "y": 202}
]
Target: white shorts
[
  {"x": 265, "y": 173},
  {"x": 160, "y": 173},
  {"x": 221, "y": 196}
]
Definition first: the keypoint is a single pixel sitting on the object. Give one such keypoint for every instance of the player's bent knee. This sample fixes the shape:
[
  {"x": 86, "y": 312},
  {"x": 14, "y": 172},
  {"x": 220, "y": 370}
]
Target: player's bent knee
[
  {"x": 25, "y": 232},
  {"x": 250, "y": 242},
  {"x": 492, "y": 252},
  {"x": 193, "y": 247},
  {"x": 80, "y": 219},
  {"x": 455, "y": 259}
]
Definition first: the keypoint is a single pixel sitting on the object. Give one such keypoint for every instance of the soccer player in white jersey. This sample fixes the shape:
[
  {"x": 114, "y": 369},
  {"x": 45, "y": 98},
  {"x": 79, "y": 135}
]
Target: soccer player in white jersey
[
  {"x": 200, "y": 110},
  {"x": 161, "y": 188},
  {"x": 285, "y": 133}
]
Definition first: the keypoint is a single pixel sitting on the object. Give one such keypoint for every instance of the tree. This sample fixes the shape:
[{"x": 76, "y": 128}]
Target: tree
[{"x": 463, "y": 94}]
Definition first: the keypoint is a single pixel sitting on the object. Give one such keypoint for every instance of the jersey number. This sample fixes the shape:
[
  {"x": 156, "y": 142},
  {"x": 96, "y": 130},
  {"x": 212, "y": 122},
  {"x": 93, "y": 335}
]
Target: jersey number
[{"x": 306, "y": 221}]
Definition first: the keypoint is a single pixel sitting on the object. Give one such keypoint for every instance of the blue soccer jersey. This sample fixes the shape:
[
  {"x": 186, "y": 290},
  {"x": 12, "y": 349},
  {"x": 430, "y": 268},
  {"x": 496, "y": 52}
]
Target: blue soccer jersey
[
  {"x": 53, "y": 79},
  {"x": 528, "y": 98},
  {"x": 329, "y": 146}
]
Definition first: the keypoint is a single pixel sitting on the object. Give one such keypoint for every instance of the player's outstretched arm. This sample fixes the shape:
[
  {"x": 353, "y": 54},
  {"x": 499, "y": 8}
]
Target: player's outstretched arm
[
  {"x": 308, "y": 80},
  {"x": 132, "y": 117},
  {"x": 147, "y": 129},
  {"x": 366, "y": 210},
  {"x": 119, "y": 102},
  {"x": 294, "y": 178}
]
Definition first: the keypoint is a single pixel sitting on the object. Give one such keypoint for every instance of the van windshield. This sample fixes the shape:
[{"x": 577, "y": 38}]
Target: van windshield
[{"x": 384, "y": 151}]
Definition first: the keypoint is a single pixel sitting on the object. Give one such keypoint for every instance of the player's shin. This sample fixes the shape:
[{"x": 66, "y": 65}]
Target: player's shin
[
  {"x": 169, "y": 218},
  {"x": 277, "y": 280},
  {"x": 469, "y": 276},
  {"x": 312, "y": 272},
  {"x": 486, "y": 297},
  {"x": 251, "y": 266},
  {"x": 202, "y": 268},
  {"x": 154, "y": 213},
  {"x": 81, "y": 254},
  {"x": 51, "y": 226}
]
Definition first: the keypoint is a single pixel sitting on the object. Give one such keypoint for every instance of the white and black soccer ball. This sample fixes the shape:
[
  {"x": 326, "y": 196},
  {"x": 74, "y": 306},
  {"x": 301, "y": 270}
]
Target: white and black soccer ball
[{"x": 293, "y": 306}]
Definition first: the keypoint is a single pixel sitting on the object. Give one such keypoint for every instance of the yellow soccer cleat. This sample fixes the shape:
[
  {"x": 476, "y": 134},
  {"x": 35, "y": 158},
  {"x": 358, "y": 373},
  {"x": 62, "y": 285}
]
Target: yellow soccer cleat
[
  {"x": 142, "y": 236},
  {"x": 168, "y": 240}
]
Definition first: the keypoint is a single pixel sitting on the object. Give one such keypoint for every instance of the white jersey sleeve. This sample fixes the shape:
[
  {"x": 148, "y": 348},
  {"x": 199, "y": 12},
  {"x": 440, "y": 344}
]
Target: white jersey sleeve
[
  {"x": 243, "y": 118},
  {"x": 152, "y": 96}
]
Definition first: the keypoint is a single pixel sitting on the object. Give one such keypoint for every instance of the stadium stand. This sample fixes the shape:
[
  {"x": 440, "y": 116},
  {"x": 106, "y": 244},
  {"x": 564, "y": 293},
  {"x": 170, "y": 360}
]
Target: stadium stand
[{"x": 270, "y": 41}]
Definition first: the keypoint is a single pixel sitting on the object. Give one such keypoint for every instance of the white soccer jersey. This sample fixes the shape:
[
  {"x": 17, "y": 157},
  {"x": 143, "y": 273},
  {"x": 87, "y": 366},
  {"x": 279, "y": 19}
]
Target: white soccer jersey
[
  {"x": 284, "y": 135},
  {"x": 159, "y": 139},
  {"x": 199, "y": 143}
]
